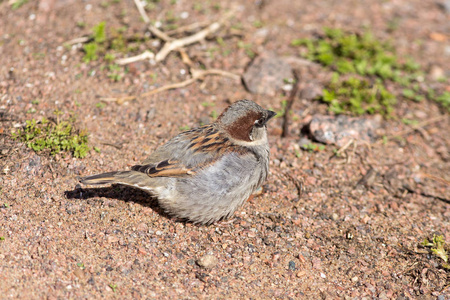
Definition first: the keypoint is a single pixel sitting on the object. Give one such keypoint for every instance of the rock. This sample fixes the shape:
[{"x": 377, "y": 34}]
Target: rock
[
  {"x": 304, "y": 142},
  {"x": 436, "y": 72},
  {"x": 112, "y": 239},
  {"x": 335, "y": 216},
  {"x": 445, "y": 6},
  {"x": 79, "y": 273},
  {"x": 316, "y": 263},
  {"x": 33, "y": 164},
  {"x": 339, "y": 130},
  {"x": 266, "y": 74},
  {"x": 368, "y": 180},
  {"x": 311, "y": 90},
  {"x": 207, "y": 261}
]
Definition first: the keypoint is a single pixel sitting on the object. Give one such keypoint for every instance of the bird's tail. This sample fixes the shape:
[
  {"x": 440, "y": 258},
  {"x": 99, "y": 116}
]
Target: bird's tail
[
  {"x": 132, "y": 178},
  {"x": 104, "y": 178}
]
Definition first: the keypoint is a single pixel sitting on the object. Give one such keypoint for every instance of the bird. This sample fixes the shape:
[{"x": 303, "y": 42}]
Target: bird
[{"x": 205, "y": 174}]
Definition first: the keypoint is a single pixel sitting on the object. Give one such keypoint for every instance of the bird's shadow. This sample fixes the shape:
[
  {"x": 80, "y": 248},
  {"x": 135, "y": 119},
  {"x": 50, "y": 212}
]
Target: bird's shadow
[{"x": 119, "y": 192}]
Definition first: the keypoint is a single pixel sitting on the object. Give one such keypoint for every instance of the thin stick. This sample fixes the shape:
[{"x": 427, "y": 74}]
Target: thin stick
[
  {"x": 201, "y": 35},
  {"x": 442, "y": 180},
  {"x": 201, "y": 73},
  {"x": 187, "y": 28},
  {"x": 185, "y": 57},
  {"x": 143, "y": 56},
  {"x": 343, "y": 148},
  {"x": 159, "y": 34},
  {"x": 290, "y": 102},
  {"x": 80, "y": 40},
  {"x": 196, "y": 75},
  {"x": 141, "y": 10}
]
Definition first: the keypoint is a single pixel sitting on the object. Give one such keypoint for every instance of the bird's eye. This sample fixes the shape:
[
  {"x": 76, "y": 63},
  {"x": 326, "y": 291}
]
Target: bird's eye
[{"x": 260, "y": 122}]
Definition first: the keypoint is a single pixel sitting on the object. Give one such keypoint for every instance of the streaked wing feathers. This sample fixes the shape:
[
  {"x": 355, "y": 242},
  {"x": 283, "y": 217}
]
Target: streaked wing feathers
[
  {"x": 188, "y": 152},
  {"x": 165, "y": 168}
]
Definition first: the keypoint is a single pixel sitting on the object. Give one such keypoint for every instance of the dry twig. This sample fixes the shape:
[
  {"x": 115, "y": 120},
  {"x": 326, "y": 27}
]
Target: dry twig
[
  {"x": 289, "y": 104},
  {"x": 196, "y": 75},
  {"x": 141, "y": 10},
  {"x": 79, "y": 40},
  {"x": 436, "y": 178},
  {"x": 199, "y": 36},
  {"x": 174, "y": 44},
  {"x": 143, "y": 56},
  {"x": 343, "y": 148},
  {"x": 159, "y": 34},
  {"x": 187, "y": 28},
  {"x": 171, "y": 45}
]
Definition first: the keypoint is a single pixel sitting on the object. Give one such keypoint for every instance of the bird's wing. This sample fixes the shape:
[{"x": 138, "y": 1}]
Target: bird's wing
[
  {"x": 165, "y": 168},
  {"x": 189, "y": 152}
]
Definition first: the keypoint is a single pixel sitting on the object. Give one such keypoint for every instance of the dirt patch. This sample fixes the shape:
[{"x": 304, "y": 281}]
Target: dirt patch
[{"x": 313, "y": 232}]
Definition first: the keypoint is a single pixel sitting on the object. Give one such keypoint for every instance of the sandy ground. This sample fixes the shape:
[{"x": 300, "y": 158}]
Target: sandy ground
[{"x": 332, "y": 240}]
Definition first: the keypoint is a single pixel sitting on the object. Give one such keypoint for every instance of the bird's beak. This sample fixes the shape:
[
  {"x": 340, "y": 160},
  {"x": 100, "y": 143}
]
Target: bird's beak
[{"x": 270, "y": 114}]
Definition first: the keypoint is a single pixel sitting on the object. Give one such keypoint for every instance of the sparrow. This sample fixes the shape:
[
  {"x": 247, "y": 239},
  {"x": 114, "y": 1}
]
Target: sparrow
[{"x": 204, "y": 174}]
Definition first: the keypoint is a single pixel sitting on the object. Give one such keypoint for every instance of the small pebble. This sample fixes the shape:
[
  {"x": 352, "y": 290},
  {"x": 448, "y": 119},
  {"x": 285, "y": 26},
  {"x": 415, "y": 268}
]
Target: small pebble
[
  {"x": 301, "y": 274},
  {"x": 436, "y": 72},
  {"x": 207, "y": 261},
  {"x": 335, "y": 216},
  {"x": 112, "y": 239},
  {"x": 79, "y": 273},
  {"x": 445, "y": 5},
  {"x": 292, "y": 265}
]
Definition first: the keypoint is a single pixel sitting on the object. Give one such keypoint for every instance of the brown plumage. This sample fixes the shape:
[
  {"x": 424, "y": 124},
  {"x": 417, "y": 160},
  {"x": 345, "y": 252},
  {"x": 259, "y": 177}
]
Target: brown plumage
[{"x": 205, "y": 174}]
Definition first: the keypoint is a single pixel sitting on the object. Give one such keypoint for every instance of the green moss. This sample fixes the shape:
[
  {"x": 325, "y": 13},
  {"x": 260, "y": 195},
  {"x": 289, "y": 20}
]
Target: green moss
[
  {"x": 247, "y": 48},
  {"x": 312, "y": 147},
  {"x": 105, "y": 46},
  {"x": 353, "y": 53},
  {"x": 99, "y": 32},
  {"x": 437, "y": 245},
  {"x": 114, "y": 72},
  {"x": 208, "y": 104},
  {"x": 214, "y": 114},
  {"x": 376, "y": 62},
  {"x": 91, "y": 52},
  {"x": 282, "y": 110},
  {"x": 54, "y": 137},
  {"x": 358, "y": 97},
  {"x": 444, "y": 100},
  {"x": 93, "y": 49},
  {"x": 113, "y": 287},
  {"x": 18, "y": 4}
]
